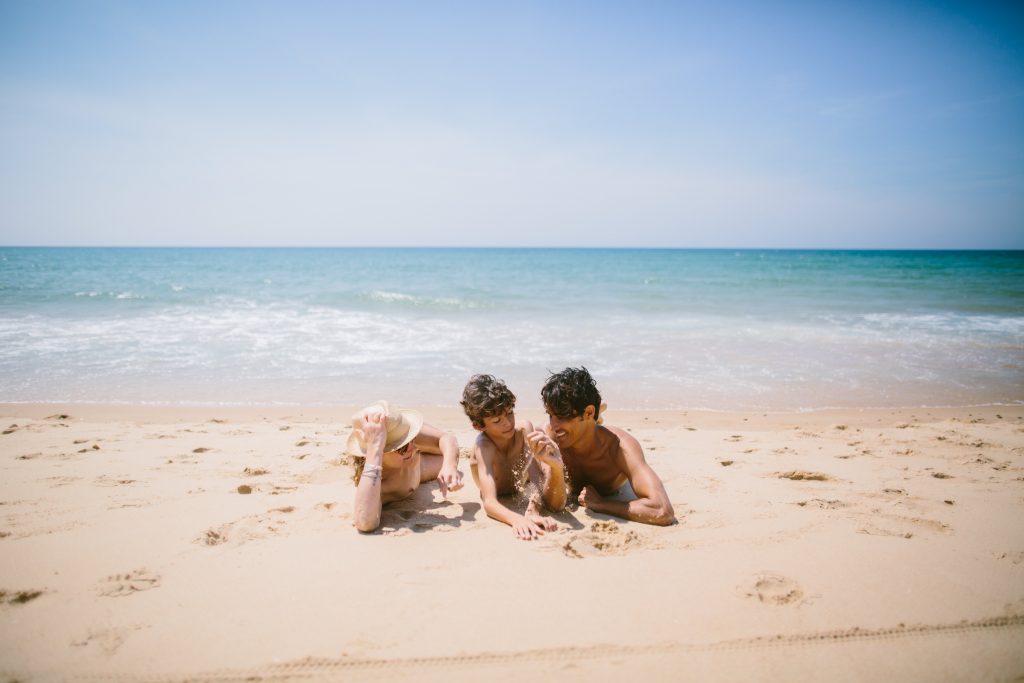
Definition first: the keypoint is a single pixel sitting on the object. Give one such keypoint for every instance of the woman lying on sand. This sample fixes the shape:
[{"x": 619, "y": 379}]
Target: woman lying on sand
[{"x": 393, "y": 453}]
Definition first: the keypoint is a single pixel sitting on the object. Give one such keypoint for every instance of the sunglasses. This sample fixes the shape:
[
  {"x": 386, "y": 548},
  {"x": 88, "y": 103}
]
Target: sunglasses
[{"x": 404, "y": 449}]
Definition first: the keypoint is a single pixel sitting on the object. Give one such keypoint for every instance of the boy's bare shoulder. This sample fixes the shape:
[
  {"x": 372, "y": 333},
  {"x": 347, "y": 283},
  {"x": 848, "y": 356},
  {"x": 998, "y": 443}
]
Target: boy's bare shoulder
[{"x": 483, "y": 444}]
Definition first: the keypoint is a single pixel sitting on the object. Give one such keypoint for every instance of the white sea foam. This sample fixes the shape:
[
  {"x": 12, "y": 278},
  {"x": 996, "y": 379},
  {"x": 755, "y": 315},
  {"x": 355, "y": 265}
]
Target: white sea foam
[
  {"x": 651, "y": 336},
  {"x": 440, "y": 303}
]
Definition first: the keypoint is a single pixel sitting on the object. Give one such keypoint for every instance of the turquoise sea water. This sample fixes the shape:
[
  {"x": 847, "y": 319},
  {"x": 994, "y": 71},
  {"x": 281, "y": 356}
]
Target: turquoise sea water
[{"x": 717, "y": 329}]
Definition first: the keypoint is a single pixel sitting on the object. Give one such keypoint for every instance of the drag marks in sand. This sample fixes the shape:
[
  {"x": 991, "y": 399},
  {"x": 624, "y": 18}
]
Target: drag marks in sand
[
  {"x": 577, "y": 662},
  {"x": 135, "y": 581}
]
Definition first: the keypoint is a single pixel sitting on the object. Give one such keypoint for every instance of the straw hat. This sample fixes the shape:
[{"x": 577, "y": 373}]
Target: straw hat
[{"x": 402, "y": 427}]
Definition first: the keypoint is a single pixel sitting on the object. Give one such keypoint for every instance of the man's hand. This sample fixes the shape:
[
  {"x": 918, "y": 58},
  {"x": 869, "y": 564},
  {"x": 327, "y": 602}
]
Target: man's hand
[
  {"x": 544, "y": 448},
  {"x": 589, "y": 497},
  {"x": 449, "y": 479}
]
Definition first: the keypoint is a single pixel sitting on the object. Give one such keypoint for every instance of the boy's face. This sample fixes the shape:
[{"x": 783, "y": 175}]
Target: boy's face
[{"x": 501, "y": 426}]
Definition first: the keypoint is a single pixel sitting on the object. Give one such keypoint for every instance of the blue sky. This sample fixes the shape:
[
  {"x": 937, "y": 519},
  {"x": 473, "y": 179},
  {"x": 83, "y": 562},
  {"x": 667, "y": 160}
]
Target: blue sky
[{"x": 785, "y": 124}]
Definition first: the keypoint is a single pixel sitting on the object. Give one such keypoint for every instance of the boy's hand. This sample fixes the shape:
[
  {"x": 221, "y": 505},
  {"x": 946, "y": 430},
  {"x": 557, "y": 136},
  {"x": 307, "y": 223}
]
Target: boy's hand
[
  {"x": 545, "y": 523},
  {"x": 526, "y": 529},
  {"x": 544, "y": 448},
  {"x": 449, "y": 479}
]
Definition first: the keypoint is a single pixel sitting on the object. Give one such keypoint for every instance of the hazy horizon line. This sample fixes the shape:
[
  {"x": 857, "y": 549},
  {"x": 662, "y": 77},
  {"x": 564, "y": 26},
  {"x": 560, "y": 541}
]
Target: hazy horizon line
[{"x": 469, "y": 247}]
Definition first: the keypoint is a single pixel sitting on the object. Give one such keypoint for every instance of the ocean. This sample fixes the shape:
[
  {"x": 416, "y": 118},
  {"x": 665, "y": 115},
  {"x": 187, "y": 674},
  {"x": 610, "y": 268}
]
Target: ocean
[{"x": 687, "y": 329}]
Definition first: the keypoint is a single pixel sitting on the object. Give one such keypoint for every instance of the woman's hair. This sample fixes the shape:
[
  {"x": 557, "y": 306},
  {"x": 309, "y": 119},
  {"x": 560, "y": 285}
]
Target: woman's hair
[
  {"x": 566, "y": 394},
  {"x": 357, "y": 462},
  {"x": 486, "y": 396}
]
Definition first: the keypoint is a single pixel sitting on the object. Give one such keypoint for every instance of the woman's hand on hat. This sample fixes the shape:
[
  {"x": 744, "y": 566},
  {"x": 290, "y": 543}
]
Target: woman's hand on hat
[{"x": 374, "y": 431}]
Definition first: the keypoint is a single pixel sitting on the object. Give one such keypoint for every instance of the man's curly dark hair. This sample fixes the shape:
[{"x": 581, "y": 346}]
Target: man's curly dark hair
[
  {"x": 486, "y": 396},
  {"x": 566, "y": 394}
]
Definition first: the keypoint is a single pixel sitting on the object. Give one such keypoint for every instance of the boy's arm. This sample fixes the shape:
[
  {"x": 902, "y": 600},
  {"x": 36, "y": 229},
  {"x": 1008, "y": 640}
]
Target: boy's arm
[
  {"x": 551, "y": 469},
  {"x": 433, "y": 440},
  {"x": 521, "y": 527},
  {"x": 651, "y": 506}
]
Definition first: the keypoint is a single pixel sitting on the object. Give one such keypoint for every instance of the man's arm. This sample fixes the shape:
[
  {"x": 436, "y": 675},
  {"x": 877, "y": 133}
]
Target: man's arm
[
  {"x": 521, "y": 526},
  {"x": 368, "y": 490},
  {"x": 433, "y": 440},
  {"x": 651, "y": 506}
]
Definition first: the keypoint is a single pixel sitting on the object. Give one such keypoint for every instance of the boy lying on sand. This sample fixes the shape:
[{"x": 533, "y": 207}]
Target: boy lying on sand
[
  {"x": 393, "y": 453},
  {"x": 502, "y": 459}
]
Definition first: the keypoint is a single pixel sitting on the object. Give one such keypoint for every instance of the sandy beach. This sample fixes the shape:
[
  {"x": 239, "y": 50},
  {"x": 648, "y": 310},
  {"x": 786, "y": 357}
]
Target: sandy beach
[{"x": 155, "y": 543}]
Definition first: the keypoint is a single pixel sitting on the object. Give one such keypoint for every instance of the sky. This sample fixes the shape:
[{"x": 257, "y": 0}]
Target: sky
[{"x": 610, "y": 124}]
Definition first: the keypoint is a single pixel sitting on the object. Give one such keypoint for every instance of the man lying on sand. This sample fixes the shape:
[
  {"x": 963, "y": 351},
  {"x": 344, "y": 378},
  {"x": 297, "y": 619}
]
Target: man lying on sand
[
  {"x": 603, "y": 462},
  {"x": 394, "y": 452},
  {"x": 502, "y": 460}
]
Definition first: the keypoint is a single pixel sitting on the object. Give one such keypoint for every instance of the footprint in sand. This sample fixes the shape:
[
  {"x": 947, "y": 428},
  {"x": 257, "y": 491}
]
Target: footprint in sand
[
  {"x": 107, "y": 639},
  {"x": 1014, "y": 557},
  {"x": 880, "y": 524},
  {"x": 801, "y": 475},
  {"x": 248, "y": 528},
  {"x": 105, "y": 480},
  {"x": 134, "y": 581},
  {"x": 61, "y": 481},
  {"x": 18, "y": 597},
  {"x": 774, "y": 589},
  {"x": 604, "y": 537},
  {"x": 823, "y": 504}
]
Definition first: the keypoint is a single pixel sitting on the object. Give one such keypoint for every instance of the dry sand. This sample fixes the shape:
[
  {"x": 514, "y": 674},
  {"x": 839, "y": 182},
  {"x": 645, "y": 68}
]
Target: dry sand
[{"x": 836, "y": 545}]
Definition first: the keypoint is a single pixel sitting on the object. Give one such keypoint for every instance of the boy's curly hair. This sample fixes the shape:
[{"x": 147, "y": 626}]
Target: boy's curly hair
[
  {"x": 486, "y": 396},
  {"x": 566, "y": 394}
]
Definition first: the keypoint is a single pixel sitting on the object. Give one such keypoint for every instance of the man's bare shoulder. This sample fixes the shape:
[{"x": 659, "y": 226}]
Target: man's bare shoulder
[{"x": 626, "y": 440}]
